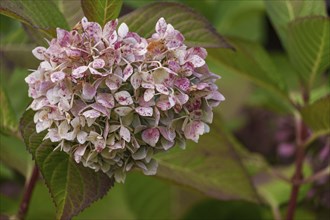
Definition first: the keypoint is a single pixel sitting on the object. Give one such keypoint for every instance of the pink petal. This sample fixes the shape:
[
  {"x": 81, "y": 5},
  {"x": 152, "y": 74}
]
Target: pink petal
[
  {"x": 182, "y": 83},
  {"x": 202, "y": 86},
  {"x": 123, "y": 98},
  {"x": 150, "y": 136},
  {"x": 144, "y": 111}
]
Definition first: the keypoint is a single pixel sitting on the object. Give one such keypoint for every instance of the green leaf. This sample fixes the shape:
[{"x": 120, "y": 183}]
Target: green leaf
[
  {"x": 157, "y": 191},
  {"x": 275, "y": 191},
  {"x": 241, "y": 19},
  {"x": 214, "y": 209},
  {"x": 101, "y": 11},
  {"x": 251, "y": 61},
  {"x": 282, "y": 12},
  {"x": 41, "y": 15},
  {"x": 213, "y": 167},
  {"x": 71, "y": 10},
  {"x": 309, "y": 43},
  {"x": 73, "y": 187},
  {"x": 195, "y": 28},
  {"x": 8, "y": 122},
  {"x": 113, "y": 206},
  {"x": 14, "y": 155},
  {"x": 316, "y": 115}
]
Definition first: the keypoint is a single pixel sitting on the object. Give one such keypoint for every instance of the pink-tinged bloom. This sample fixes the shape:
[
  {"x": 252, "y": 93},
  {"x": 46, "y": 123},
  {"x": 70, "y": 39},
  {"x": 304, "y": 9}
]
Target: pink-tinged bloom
[
  {"x": 151, "y": 136},
  {"x": 112, "y": 99}
]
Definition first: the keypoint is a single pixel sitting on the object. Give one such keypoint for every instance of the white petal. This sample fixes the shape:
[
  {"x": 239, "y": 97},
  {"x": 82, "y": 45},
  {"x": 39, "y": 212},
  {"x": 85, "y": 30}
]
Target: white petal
[
  {"x": 57, "y": 76},
  {"x": 149, "y": 94},
  {"x": 81, "y": 137},
  {"x": 122, "y": 30},
  {"x": 38, "y": 52},
  {"x": 125, "y": 134}
]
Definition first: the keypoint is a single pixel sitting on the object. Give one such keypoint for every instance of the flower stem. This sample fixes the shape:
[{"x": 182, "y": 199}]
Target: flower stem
[
  {"x": 302, "y": 135},
  {"x": 24, "y": 206}
]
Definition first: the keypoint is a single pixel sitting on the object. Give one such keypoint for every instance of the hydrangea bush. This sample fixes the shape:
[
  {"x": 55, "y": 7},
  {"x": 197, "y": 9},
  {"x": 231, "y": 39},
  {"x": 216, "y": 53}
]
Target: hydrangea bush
[{"x": 112, "y": 99}]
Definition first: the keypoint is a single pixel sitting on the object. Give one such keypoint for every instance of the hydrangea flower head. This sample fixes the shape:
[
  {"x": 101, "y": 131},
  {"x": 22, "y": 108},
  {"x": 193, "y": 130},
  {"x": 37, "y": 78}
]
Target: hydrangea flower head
[{"x": 112, "y": 99}]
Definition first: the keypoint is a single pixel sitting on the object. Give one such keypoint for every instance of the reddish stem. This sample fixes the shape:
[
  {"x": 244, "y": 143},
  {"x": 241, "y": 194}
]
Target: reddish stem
[
  {"x": 302, "y": 135},
  {"x": 24, "y": 206}
]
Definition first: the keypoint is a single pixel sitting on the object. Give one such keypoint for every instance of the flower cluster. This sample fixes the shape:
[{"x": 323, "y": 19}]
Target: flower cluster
[{"x": 112, "y": 99}]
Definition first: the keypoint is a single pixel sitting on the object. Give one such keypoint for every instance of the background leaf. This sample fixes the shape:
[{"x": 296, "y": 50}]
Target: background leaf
[
  {"x": 309, "y": 43},
  {"x": 71, "y": 10},
  {"x": 239, "y": 18},
  {"x": 144, "y": 189},
  {"x": 195, "y": 28},
  {"x": 41, "y": 15},
  {"x": 282, "y": 12},
  {"x": 8, "y": 122},
  {"x": 73, "y": 187},
  {"x": 212, "y": 167},
  {"x": 251, "y": 61},
  {"x": 316, "y": 115},
  {"x": 101, "y": 11}
]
